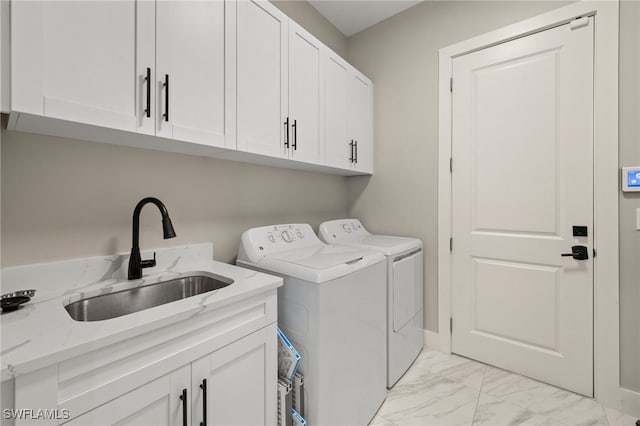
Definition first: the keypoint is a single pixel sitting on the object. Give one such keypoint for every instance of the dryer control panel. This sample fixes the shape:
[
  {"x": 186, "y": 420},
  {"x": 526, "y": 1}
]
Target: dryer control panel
[
  {"x": 337, "y": 230},
  {"x": 265, "y": 240}
]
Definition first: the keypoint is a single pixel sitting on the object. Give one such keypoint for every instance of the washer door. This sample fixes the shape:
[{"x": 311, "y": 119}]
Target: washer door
[{"x": 407, "y": 288}]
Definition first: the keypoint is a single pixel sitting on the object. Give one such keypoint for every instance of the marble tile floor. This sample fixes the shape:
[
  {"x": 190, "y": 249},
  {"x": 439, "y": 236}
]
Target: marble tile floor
[{"x": 449, "y": 390}]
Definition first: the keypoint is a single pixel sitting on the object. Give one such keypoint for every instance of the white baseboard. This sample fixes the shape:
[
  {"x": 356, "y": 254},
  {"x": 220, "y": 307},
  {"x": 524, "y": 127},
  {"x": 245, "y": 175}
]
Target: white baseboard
[
  {"x": 431, "y": 340},
  {"x": 630, "y": 401}
]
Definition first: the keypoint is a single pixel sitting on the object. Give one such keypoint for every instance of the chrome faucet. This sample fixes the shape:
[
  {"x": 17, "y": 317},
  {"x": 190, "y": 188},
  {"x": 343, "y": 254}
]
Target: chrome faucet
[{"x": 135, "y": 263}]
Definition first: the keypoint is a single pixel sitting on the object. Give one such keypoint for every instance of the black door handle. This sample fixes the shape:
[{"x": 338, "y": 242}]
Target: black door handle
[
  {"x": 295, "y": 134},
  {"x": 203, "y": 386},
  {"x": 286, "y": 133},
  {"x": 355, "y": 159},
  {"x": 578, "y": 253},
  {"x": 351, "y": 145},
  {"x": 147, "y": 111},
  {"x": 183, "y": 398},
  {"x": 166, "y": 97}
]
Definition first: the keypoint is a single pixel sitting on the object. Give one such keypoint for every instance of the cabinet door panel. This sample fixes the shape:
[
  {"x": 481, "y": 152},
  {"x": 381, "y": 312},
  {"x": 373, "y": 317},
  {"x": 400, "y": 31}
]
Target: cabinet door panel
[
  {"x": 76, "y": 61},
  {"x": 190, "y": 49},
  {"x": 155, "y": 404},
  {"x": 304, "y": 94},
  {"x": 261, "y": 77},
  {"x": 336, "y": 132},
  {"x": 241, "y": 382},
  {"x": 361, "y": 119}
]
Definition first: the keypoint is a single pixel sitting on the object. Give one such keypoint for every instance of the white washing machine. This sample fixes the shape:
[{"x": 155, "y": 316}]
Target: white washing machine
[
  {"x": 405, "y": 335},
  {"x": 332, "y": 309}
]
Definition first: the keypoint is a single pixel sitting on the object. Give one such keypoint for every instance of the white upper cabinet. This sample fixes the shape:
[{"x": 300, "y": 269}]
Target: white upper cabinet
[
  {"x": 337, "y": 145},
  {"x": 348, "y": 116},
  {"x": 360, "y": 119},
  {"x": 224, "y": 78},
  {"x": 190, "y": 75},
  {"x": 262, "y": 32},
  {"x": 76, "y": 61},
  {"x": 304, "y": 95}
]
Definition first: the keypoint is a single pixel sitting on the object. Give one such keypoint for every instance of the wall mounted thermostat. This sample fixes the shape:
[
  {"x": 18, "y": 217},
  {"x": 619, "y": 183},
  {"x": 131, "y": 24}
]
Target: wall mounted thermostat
[{"x": 631, "y": 179}]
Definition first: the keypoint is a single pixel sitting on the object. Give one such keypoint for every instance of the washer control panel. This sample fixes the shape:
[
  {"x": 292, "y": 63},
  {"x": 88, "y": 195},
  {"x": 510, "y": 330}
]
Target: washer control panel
[{"x": 278, "y": 238}]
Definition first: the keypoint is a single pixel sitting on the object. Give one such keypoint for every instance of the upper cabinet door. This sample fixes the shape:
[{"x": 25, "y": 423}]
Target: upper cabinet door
[
  {"x": 77, "y": 61},
  {"x": 261, "y": 78},
  {"x": 337, "y": 145},
  {"x": 190, "y": 75},
  {"x": 360, "y": 114},
  {"x": 304, "y": 95}
]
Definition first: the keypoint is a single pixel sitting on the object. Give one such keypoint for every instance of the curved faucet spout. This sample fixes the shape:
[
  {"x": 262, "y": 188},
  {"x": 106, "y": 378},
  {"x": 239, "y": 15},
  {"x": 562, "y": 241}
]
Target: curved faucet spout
[{"x": 136, "y": 264}]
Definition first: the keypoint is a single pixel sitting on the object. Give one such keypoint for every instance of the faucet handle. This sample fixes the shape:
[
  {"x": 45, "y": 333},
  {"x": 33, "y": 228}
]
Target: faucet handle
[{"x": 149, "y": 263}]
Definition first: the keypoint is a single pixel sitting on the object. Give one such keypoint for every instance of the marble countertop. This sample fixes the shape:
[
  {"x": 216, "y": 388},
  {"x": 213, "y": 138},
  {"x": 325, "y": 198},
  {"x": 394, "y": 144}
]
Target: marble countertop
[{"x": 42, "y": 333}]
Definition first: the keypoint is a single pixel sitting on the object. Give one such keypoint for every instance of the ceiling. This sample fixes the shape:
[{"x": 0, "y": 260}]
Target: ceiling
[{"x": 353, "y": 16}]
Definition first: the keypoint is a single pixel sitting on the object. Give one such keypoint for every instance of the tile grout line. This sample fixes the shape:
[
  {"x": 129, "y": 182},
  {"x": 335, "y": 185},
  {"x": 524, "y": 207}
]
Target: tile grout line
[{"x": 475, "y": 411}]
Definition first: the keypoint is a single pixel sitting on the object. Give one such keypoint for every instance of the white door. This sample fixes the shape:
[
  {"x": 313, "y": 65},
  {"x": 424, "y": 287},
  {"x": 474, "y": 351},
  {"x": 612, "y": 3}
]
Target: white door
[
  {"x": 78, "y": 61},
  {"x": 239, "y": 381},
  {"x": 190, "y": 53},
  {"x": 304, "y": 95},
  {"x": 360, "y": 116},
  {"x": 337, "y": 145},
  {"x": 157, "y": 403},
  {"x": 262, "y": 34},
  {"x": 522, "y": 179}
]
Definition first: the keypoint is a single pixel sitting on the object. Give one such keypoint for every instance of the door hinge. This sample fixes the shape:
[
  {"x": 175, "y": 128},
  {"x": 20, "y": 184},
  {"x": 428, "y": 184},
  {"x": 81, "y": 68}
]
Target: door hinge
[
  {"x": 451, "y": 165},
  {"x": 451, "y": 244},
  {"x": 451, "y": 84},
  {"x": 451, "y": 325},
  {"x": 594, "y": 253}
]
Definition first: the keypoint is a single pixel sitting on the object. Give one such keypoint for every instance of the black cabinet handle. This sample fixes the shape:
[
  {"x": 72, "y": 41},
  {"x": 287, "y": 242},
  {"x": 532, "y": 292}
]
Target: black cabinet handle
[
  {"x": 147, "y": 111},
  {"x": 351, "y": 146},
  {"x": 355, "y": 159},
  {"x": 166, "y": 97},
  {"x": 183, "y": 398},
  {"x": 203, "y": 386},
  {"x": 286, "y": 133},
  {"x": 295, "y": 134}
]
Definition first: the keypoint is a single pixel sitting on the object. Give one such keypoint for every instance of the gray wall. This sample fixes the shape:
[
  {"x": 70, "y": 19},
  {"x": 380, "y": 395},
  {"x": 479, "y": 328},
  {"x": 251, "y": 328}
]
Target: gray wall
[
  {"x": 65, "y": 199},
  {"x": 629, "y": 202},
  {"x": 400, "y": 55}
]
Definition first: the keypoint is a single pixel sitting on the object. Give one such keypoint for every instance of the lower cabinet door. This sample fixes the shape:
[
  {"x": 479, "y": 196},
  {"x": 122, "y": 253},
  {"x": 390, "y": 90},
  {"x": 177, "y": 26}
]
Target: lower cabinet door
[
  {"x": 156, "y": 403},
  {"x": 239, "y": 381}
]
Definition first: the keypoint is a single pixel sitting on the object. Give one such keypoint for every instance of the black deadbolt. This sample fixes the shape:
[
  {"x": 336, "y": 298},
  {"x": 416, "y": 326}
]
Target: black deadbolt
[{"x": 580, "y": 231}]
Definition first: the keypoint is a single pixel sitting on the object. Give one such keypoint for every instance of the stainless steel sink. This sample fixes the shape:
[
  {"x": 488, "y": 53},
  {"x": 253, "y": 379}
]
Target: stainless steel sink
[{"x": 124, "y": 302}]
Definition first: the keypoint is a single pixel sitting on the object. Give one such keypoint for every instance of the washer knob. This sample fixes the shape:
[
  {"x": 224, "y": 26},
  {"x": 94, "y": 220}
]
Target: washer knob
[
  {"x": 286, "y": 237},
  {"x": 346, "y": 227}
]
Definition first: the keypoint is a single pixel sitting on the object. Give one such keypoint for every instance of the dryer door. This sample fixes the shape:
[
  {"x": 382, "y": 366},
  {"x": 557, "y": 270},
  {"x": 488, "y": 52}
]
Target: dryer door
[{"x": 407, "y": 288}]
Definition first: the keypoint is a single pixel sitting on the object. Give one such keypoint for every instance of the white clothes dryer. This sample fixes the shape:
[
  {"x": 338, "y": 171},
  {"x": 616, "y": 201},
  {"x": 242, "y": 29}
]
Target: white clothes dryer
[
  {"x": 332, "y": 309},
  {"x": 405, "y": 335}
]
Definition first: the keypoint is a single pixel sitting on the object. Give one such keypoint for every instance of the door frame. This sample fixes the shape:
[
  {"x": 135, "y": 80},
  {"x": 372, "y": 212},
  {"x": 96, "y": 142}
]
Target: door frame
[{"x": 606, "y": 180}]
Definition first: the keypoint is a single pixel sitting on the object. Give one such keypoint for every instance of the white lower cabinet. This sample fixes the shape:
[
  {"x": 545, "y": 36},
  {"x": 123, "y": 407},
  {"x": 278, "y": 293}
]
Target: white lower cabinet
[
  {"x": 237, "y": 382},
  {"x": 157, "y": 403},
  {"x": 218, "y": 367}
]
